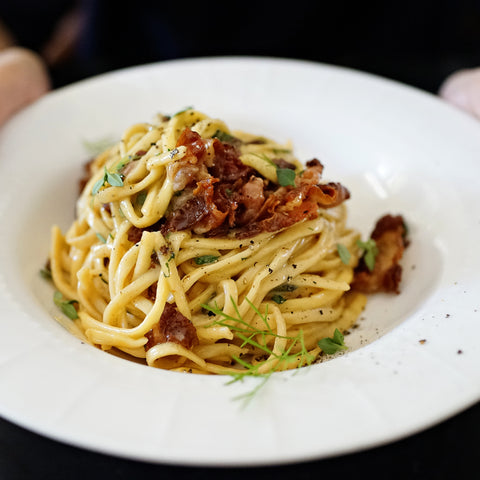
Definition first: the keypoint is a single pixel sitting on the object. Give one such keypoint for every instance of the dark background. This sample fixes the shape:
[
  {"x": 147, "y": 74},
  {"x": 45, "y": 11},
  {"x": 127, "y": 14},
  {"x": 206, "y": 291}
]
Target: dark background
[{"x": 415, "y": 42}]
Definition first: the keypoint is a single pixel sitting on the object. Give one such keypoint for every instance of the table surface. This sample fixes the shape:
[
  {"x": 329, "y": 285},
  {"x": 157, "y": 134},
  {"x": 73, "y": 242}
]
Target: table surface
[{"x": 445, "y": 451}]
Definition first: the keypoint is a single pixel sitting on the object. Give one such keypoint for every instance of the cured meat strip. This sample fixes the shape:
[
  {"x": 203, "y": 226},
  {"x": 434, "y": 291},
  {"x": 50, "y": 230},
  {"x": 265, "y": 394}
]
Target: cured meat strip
[
  {"x": 172, "y": 327},
  {"x": 217, "y": 194},
  {"x": 390, "y": 238}
]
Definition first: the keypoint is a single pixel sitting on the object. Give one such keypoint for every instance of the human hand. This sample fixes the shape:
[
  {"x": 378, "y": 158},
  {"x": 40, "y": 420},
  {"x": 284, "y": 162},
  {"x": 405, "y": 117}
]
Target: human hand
[
  {"x": 23, "y": 79},
  {"x": 462, "y": 89}
]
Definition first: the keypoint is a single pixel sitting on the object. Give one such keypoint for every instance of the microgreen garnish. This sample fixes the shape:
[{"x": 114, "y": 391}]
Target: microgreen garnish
[
  {"x": 66, "y": 306},
  {"x": 331, "y": 345},
  {"x": 113, "y": 179},
  {"x": 257, "y": 338},
  {"x": 370, "y": 252},
  {"x": 344, "y": 253},
  {"x": 206, "y": 259}
]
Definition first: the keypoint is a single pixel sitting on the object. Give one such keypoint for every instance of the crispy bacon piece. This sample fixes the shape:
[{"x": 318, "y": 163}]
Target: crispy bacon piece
[
  {"x": 288, "y": 206},
  {"x": 390, "y": 237},
  {"x": 172, "y": 327},
  {"x": 220, "y": 195}
]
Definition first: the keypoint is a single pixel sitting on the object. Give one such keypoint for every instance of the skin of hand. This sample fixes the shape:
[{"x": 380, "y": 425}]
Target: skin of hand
[
  {"x": 23, "y": 79},
  {"x": 462, "y": 89}
]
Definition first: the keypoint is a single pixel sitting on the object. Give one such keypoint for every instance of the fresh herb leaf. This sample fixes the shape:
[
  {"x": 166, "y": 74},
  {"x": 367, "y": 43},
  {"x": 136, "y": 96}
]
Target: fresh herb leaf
[
  {"x": 124, "y": 161},
  {"x": 224, "y": 136},
  {"x": 279, "y": 151},
  {"x": 46, "y": 274},
  {"x": 286, "y": 177},
  {"x": 206, "y": 259},
  {"x": 331, "y": 345},
  {"x": 285, "y": 287},
  {"x": 140, "y": 198},
  {"x": 182, "y": 111},
  {"x": 98, "y": 185},
  {"x": 114, "y": 179},
  {"x": 278, "y": 299},
  {"x": 66, "y": 306},
  {"x": 370, "y": 252},
  {"x": 344, "y": 253}
]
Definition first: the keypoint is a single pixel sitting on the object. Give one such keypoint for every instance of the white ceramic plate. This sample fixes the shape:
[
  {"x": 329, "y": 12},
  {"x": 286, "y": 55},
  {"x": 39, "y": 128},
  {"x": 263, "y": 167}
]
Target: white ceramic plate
[{"x": 397, "y": 149}]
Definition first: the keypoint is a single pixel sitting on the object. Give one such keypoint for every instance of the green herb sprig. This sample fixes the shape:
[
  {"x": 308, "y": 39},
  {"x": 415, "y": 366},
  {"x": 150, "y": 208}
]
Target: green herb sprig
[
  {"x": 112, "y": 178},
  {"x": 331, "y": 345},
  {"x": 257, "y": 338},
  {"x": 66, "y": 306},
  {"x": 370, "y": 252},
  {"x": 285, "y": 176},
  {"x": 224, "y": 137},
  {"x": 344, "y": 253}
]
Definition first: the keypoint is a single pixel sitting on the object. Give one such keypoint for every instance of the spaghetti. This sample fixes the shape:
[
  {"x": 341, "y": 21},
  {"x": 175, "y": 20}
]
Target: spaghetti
[{"x": 200, "y": 249}]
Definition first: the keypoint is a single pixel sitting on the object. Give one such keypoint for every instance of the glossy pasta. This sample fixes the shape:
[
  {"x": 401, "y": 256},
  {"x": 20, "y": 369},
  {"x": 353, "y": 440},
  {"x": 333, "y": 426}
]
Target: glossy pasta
[{"x": 250, "y": 300}]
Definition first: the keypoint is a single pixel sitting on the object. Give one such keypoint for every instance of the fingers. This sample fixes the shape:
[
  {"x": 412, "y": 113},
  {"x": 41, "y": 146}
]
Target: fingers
[
  {"x": 23, "y": 79},
  {"x": 462, "y": 89}
]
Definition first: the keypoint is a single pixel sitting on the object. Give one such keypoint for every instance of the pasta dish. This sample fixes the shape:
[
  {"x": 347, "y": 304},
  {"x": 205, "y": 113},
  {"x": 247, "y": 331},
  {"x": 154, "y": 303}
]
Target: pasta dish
[{"x": 200, "y": 249}]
